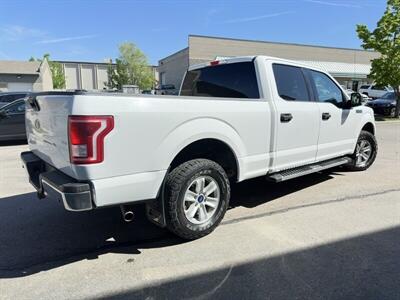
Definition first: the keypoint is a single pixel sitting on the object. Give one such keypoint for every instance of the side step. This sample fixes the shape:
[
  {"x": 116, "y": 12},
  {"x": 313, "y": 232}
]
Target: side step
[{"x": 305, "y": 170}]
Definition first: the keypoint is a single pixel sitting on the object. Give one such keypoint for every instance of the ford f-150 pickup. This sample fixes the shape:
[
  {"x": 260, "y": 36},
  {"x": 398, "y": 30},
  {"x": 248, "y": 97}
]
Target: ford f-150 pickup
[{"x": 234, "y": 119}]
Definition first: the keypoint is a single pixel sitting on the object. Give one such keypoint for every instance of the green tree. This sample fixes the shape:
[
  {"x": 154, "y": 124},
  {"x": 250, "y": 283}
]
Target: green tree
[
  {"x": 131, "y": 67},
  {"x": 385, "y": 39},
  {"x": 56, "y": 69}
]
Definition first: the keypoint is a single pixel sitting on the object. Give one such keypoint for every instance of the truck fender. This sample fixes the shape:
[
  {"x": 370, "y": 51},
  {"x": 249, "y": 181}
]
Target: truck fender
[{"x": 194, "y": 130}]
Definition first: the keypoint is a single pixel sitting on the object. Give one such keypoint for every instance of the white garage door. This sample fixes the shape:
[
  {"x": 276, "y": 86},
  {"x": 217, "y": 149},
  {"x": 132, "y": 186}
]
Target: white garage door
[
  {"x": 87, "y": 74},
  {"x": 102, "y": 77},
  {"x": 71, "y": 76},
  {"x": 19, "y": 87}
]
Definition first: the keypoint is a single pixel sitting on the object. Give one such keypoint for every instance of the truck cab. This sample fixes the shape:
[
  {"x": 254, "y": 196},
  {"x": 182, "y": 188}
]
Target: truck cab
[{"x": 310, "y": 114}]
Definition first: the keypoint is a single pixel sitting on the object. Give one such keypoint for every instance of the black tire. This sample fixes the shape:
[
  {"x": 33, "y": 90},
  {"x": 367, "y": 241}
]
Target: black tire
[
  {"x": 176, "y": 185},
  {"x": 370, "y": 138}
]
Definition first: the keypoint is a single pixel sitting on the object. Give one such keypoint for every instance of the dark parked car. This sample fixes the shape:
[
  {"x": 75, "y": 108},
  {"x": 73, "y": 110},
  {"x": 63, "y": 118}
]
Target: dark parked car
[
  {"x": 12, "y": 121},
  {"x": 166, "y": 89},
  {"x": 9, "y": 97},
  {"x": 384, "y": 106}
]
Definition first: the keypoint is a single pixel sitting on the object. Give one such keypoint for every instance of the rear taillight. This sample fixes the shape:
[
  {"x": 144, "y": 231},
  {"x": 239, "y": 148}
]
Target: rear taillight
[{"x": 86, "y": 138}]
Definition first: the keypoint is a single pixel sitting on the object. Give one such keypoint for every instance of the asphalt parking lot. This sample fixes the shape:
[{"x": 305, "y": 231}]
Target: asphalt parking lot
[{"x": 331, "y": 235}]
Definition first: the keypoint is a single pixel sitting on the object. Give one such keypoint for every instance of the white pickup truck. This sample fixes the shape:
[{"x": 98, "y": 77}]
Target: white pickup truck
[
  {"x": 234, "y": 119},
  {"x": 374, "y": 91}
]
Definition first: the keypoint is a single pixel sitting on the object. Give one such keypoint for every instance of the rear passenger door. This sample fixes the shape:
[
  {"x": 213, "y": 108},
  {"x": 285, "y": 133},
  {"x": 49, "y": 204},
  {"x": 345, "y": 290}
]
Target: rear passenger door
[
  {"x": 339, "y": 124},
  {"x": 297, "y": 118}
]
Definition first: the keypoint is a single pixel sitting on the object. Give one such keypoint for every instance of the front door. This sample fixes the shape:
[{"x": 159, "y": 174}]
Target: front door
[
  {"x": 338, "y": 124},
  {"x": 297, "y": 121}
]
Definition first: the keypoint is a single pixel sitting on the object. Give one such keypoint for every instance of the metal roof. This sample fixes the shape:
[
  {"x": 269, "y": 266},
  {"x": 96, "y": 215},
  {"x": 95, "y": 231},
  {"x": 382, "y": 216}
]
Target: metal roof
[
  {"x": 337, "y": 69},
  {"x": 19, "y": 67},
  {"x": 340, "y": 69},
  {"x": 278, "y": 43}
]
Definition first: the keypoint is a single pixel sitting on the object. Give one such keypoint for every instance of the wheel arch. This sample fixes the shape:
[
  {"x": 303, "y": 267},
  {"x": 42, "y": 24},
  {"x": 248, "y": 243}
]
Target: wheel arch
[
  {"x": 213, "y": 149},
  {"x": 207, "y": 132},
  {"x": 370, "y": 127}
]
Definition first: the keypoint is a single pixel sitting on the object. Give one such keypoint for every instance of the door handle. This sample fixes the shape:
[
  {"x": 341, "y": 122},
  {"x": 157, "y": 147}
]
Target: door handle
[
  {"x": 326, "y": 116},
  {"x": 286, "y": 118}
]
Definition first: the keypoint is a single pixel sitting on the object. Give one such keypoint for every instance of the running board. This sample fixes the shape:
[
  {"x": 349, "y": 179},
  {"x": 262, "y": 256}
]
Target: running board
[{"x": 305, "y": 170}]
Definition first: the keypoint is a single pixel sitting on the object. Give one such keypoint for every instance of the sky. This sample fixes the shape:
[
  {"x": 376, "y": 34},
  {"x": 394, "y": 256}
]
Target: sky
[{"x": 91, "y": 30}]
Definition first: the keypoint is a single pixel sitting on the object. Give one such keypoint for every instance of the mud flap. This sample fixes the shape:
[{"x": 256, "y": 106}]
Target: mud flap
[
  {"x": 155, "y": 209},
  {"x": 155, "y": 212}
]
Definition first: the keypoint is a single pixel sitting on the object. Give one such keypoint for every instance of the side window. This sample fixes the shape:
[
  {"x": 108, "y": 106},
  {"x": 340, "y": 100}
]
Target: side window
[
  {"x": 16, "y": 108},
  {"x": 232, "y": 80},
  {"x": 327, "y": 90},
  {"x": 290, "y": 82},
  {"x": 7, "y": 98},
  {"x": 18, "y": 96}
]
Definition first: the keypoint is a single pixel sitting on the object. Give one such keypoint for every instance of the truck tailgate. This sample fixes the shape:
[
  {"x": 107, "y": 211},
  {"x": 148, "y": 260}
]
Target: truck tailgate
[{"x": 47, "y": 129}]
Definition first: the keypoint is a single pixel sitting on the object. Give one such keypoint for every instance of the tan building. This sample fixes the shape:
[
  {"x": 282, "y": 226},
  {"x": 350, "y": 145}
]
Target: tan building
[
  {"x": 22, "y": 76},
  {"x": 85, "y": 75},
  {"x": 36, "y": 76},
  {"x": 88, "y": 75},
  {"x": 349, "y": 66}
]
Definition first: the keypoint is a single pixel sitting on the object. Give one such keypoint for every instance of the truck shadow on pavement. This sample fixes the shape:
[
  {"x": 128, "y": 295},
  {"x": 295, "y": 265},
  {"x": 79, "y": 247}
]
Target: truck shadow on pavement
[
  {"x": 39, "y": 235},
  {"x": 252, "y": 193},
  {"x": 361, "y": 267},
  {"x": 13, "y": 143}
]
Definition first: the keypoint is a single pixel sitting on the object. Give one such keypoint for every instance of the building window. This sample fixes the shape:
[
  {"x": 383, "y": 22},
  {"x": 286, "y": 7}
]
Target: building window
[{"x": 162, "y": 78}]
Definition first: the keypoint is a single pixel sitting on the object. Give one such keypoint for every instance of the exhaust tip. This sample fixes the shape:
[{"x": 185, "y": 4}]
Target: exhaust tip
[{"x": 128, "y": 216}]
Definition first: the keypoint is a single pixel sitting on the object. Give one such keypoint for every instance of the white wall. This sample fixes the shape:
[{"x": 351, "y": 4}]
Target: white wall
[
  {"x": 102, "y": 77},
  {"x": 46, "y": 78},
  {"x": 87, "y": 77},
  {"x": 71, "y": 76},
  {"x": 19, "y": 87}
]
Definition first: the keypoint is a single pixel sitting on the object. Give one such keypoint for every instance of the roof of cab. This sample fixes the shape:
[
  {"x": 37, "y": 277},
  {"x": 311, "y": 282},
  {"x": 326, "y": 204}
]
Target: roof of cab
[{"x": 237, "y": 59}]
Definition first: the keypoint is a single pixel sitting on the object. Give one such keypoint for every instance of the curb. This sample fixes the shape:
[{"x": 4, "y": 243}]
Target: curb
[{"x": 388, "y": 122}]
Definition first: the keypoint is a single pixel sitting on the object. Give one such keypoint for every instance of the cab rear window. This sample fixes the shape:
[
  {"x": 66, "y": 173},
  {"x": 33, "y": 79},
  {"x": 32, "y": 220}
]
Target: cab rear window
[{"x": 235, "y": 80}]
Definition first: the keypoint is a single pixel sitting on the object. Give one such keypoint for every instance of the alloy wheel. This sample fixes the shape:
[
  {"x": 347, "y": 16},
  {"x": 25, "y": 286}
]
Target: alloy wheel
[
  {"x": 201, "y": 200},
  {"x": 363, "y": 152}
]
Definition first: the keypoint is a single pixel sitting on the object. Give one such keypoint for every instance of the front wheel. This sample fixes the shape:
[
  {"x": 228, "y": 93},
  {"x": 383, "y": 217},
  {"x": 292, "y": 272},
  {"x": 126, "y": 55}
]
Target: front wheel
[
  {"x": 197, "y": 197},
  {"x": 392, "y": 112},
  {"x": 365, "y": 153}
]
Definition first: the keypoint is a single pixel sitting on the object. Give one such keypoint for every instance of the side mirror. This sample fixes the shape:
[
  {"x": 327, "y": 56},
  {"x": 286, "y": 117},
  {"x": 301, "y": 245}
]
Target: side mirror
[{"x": 355, "y": 99}]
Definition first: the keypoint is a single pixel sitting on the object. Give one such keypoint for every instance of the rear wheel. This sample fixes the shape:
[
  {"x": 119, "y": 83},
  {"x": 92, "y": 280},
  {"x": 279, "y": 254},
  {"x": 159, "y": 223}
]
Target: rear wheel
[
  {"x": 365, "y": 153},
  {"x": 197, "y": 197}
]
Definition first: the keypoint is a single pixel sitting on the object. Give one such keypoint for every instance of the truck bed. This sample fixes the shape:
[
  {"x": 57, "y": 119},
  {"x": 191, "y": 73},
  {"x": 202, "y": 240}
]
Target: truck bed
[{"x": 149, "y": 129}]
